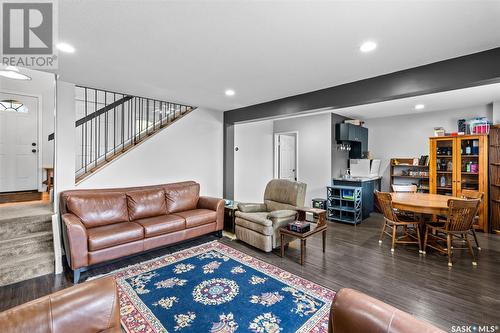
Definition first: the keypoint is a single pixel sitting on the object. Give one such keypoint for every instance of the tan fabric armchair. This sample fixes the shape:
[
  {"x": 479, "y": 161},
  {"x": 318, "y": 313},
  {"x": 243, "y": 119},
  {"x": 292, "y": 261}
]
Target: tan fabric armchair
[{"x": 258, "y": 223}]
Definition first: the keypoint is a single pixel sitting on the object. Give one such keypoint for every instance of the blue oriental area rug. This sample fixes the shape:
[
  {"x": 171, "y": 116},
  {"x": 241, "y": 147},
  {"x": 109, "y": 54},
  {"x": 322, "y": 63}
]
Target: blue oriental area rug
[{"x": 215, "y": 288}]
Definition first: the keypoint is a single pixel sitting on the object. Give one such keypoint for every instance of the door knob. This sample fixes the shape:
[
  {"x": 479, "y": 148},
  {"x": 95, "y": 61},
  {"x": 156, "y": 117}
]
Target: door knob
[
  {"x": 33, "y": 144},
  {"x": 33, "y": 150}
]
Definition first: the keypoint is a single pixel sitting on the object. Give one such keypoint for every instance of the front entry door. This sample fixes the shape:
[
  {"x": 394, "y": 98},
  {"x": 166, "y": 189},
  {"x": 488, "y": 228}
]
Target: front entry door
[
  {"x": 287, "y": 154},
  {"x": 18, "y": 142}
]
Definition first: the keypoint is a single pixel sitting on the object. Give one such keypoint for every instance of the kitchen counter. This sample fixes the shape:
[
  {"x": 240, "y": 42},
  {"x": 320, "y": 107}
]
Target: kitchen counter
[
  {"x": 357, "y": 179},
  {"x": 368, "y": 185}
]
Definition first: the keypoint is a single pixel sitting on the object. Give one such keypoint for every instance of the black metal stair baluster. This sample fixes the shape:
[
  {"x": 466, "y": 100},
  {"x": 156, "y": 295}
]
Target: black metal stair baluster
[
  {"x": 147, "y": 116},
  {"x": 106, "y": 127},
  {"x": 123, "y": 127},
  {"x": 96, "y": 141},
  {"x": 161, "y": 114},
  {"x": 135, "y": 118},
  {"x": 85, "y": 143},
  {"x": 114, "y": 124},
  {"x": 154, "y": 114}
]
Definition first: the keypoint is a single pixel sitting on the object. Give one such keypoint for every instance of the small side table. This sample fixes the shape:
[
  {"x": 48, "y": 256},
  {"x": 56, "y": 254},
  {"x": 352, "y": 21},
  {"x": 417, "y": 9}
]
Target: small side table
[
  {"x": 320, "y": 217},
  {"x": 50, "y": 177},
  {"x": 229, "y": 217}
]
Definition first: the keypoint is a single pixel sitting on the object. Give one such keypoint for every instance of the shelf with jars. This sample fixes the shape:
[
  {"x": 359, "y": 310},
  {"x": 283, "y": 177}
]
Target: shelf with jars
[{"x": 457, "y": 163}]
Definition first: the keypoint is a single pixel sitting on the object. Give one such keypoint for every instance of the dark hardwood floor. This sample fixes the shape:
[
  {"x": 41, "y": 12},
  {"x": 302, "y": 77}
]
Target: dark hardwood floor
[{"x": 421, "y": 285}]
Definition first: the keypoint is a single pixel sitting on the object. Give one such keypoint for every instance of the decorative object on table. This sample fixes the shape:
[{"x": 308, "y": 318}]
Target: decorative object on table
[
  {"x": 344, "y": 204},
  {"x": 215, "y": 288},
  {"x": 404, "y": 172},
  {"x": 319, "y": 203},
  {"x": 460, "y": 220},
  {"x": 410, "y": 228},
  {"x": 286, "y": 235},
  {"x": 228, "y": 202},
  {"x": 494, "y": 160},
  {"x": 464, "y": 166},
  {"x": 258, "y": 224},
  {"x": 299, "y": 226}
]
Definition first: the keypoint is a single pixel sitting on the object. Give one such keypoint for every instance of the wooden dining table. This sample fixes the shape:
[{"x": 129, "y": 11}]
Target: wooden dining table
[{"x": 423, "y": 203}]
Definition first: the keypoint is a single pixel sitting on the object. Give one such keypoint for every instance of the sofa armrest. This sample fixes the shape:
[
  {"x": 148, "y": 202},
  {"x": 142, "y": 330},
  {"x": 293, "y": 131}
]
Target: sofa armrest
[
  {"x": 216, "y": 204},
  {"x": 77, "y": 240},
  {"x": 252, "y": 207},
  {"x": 282, "y": 213},
  {"x": 88, "y": 307}
]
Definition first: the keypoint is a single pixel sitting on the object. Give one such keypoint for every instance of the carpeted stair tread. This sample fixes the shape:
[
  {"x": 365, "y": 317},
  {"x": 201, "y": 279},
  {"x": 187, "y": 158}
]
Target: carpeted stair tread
[
  {"x": 20, "y": 269},
  {"x": 26, "y": 245},
  {"x": 19, "y": 220}
]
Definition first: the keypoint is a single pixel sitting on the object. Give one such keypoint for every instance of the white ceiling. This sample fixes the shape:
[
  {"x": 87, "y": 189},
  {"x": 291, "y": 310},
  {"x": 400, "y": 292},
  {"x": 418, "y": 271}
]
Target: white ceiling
[
  {"x": 449, "y": 100},
  {"x": 191, "y": 51}
]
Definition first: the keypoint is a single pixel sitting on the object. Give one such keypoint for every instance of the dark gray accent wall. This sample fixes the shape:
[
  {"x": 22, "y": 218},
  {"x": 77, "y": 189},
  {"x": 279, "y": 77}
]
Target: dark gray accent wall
[
  {"x": 466, "y": 71},
  {"x": 339, "y": 158}
]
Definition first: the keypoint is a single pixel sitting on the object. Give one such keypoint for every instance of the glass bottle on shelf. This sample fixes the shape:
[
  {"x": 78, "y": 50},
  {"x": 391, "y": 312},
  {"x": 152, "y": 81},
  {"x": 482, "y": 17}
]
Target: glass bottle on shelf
[
  {"x": 475, "y": 147},
  {"x": 468, "y": 148}
]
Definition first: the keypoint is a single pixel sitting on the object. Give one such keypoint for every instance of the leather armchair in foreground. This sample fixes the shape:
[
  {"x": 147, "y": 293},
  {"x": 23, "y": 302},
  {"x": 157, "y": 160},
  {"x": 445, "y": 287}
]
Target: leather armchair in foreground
[
  {"x": 355, "y": 312},
  {"x": 90, "y": 307}
]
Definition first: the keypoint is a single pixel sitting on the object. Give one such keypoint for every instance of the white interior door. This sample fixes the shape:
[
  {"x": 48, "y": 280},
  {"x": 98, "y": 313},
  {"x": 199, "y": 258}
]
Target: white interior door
[
  {"x": 287, "y": 156},
  {"x": 18, "y": 142}
]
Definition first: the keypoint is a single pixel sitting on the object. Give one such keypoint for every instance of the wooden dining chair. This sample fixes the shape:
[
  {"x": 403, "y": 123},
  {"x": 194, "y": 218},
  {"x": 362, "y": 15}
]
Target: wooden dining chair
[
  {"x": 392, "y": 221},
  {"x": 461, "y": 214},
  {"x": 466, "y": 194},
  {"x": 409, "y": 188},
  {"x": 471, "y": 194}
]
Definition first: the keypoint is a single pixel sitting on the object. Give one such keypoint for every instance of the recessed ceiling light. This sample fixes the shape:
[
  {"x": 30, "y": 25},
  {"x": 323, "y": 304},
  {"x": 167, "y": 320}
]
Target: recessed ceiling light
[
  {"x": 229, "y": 92},
  {"x": 65, "y": 47},
  {"x": 368, "y": 46},
  {"x": 419, "y": 107},
  {"x": 11, "y": 72}
]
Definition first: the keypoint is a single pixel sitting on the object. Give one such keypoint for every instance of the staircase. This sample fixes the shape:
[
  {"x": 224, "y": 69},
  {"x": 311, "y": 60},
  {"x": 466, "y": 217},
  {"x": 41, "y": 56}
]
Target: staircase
[
  {"x": 110, "y": 124},
  {"x": 26, "y": 246}
]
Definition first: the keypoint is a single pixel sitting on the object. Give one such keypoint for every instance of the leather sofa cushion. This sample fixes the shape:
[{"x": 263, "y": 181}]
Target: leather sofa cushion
[
  {"x": 146, "y": 203},
  {"x": 159, "y": 225},
  {"x": 197, "y": 217},
  {"x": 182, "y": 198},
  {"x": 114, "y": 234},
  {"x": 99, "y": 209}
]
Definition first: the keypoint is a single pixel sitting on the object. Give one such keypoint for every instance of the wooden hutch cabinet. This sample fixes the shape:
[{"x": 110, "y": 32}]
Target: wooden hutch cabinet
[{"x": 457, "y": 163}]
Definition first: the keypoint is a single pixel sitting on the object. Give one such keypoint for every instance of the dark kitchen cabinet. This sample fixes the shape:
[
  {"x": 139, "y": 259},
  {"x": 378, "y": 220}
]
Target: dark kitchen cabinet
[{"x": 357, "y": 136}]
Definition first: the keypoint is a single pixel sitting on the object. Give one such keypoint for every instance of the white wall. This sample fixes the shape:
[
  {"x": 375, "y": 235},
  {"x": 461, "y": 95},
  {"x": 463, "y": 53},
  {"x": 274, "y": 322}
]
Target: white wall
[
  {"x": 496, "y": 112},
  {"x": 408, "y": 135},
  {"x": 190, "y": 149},
  {"x": 253, "y": 162},
  {"x": 64, "y": 177},
  {"x": 314, "y": 138}
]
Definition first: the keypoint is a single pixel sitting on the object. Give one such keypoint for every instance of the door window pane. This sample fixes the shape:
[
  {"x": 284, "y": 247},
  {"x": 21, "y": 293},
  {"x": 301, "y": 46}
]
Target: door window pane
[{"x": 11, "y": 105}]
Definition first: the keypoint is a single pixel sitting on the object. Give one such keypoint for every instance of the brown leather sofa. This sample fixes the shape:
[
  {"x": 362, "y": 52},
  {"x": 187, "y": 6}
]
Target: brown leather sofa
[
  {"x": 355, "y": 312},
  {"x": 105, "y": 224},
  {"x": 90, "y": 307}
]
